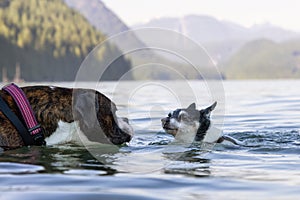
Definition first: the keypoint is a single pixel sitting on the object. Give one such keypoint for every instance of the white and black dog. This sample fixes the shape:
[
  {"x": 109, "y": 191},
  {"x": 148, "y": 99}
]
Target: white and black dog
[{"x": 195, "y": 124}]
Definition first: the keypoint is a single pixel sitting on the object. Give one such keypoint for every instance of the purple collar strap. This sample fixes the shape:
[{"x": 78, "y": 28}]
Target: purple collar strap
[{"x": 34, "y": 128}]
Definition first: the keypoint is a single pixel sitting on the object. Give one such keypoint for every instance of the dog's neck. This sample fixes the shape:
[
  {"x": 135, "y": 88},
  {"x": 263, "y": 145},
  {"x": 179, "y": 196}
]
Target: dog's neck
[
  {"x": 202, "y": 130},
  {"x": 51, "y": 107}
]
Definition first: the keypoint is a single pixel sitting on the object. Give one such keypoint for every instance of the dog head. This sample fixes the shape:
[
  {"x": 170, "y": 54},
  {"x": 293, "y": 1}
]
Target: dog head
[
  {"x": 188, "y": 120},
  {"x": 97, "y": 118}
]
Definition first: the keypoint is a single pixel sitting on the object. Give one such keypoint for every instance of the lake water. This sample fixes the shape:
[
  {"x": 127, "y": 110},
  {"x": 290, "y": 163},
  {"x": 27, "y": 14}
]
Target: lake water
[{"x": 264, "y": 115}]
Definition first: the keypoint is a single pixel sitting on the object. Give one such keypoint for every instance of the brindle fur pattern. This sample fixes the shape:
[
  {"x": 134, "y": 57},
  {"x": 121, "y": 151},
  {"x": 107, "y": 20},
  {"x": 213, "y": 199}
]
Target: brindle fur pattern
[{"x": 54, "y": 104}]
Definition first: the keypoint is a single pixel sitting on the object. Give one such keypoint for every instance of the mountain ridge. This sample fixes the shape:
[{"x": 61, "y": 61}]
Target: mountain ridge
[
  {"x": 265, "y": 59},
  {"x": 232, "y": 30},
  {"x": 217, "y": 35},
  {"x": 49, "y": 40}
]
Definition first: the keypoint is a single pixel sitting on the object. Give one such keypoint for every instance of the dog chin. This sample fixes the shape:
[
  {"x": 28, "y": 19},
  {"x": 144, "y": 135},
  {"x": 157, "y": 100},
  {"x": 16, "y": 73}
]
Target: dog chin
[
  {"x": 171, "y": 131},
  {"x": 121, "y": 140},
  {"x": 185, "y": 131}
]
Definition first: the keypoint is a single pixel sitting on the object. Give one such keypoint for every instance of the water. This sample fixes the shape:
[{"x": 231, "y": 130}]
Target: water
[{"x": 261, "y": 114}]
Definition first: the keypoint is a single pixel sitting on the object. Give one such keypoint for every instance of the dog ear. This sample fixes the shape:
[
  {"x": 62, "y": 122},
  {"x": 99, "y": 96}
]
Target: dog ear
[
  {"x": 84, "y": 106},
  {"x": 192, "y": 107},
  {"x": 212, "y": 107},
  {"x": 208, "y": 110}
]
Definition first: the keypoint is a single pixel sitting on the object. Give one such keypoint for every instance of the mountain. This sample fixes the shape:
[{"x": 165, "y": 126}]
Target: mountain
[
  {"x": 242, "y": 52},
  {"x": 265, "y": 59},
  {"x": 271, "y": 32},
  {"x": 104, "y": 19},
  {"x": 221, "y": 38},
  {"x": 206, "y": 29},
  {"x": 49, "y": 40},
  {"x": 99, "y": 16},
  {"x": 203, "y": 29}
]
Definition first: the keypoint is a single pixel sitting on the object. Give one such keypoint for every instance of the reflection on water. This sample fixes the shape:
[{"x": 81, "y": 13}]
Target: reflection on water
[{"x": 151, "y": 166}]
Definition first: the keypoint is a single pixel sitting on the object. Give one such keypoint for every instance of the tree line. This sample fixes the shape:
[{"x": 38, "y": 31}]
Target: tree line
[{"x": 50, "y": 40}]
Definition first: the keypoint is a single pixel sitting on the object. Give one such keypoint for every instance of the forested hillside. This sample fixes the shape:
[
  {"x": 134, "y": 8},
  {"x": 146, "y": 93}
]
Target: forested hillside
[
  {"x": 49, "y": 41},
  {"x": 263, "y": 59}
]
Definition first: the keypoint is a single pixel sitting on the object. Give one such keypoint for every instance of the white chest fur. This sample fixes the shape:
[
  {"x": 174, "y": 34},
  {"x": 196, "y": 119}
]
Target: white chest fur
[
  {"x": 186, "y": 133},
  {"x": 66, "y": 132}
]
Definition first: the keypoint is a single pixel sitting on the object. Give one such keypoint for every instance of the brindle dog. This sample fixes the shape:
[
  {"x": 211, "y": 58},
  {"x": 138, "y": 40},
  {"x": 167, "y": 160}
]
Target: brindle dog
[{"x": 94, "y": 112}]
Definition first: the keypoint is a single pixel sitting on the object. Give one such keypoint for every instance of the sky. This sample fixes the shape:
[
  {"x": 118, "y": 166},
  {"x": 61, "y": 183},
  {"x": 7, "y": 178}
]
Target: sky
[{"x": 283, "y": 13}]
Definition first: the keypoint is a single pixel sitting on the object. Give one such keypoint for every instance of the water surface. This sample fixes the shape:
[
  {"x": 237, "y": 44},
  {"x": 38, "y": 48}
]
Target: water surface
[{"x": 261, "y": 114}]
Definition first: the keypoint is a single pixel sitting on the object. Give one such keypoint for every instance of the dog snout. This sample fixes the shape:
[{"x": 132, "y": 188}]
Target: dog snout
[
  {"x": 121, "y": 137},
  {"x": 165, "y": 120},
  {"x": 125, "y": 119}
]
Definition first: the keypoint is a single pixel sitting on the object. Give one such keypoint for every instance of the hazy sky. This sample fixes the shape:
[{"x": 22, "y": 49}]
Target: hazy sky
[{"x": 284, "y": 13}]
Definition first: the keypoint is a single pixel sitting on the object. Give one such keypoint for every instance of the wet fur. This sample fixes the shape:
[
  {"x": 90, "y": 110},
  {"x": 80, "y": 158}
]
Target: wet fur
[
  {"x": 54, "y": 104},
  {"x": 190, "y": 121}
]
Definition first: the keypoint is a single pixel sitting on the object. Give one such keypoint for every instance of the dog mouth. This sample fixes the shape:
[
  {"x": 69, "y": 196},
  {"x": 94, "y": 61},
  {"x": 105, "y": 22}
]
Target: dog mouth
[
  {"x": 121, "y": 140},
  {"x": 122, "y": 135},
  {"x": 170, "y": 128}
]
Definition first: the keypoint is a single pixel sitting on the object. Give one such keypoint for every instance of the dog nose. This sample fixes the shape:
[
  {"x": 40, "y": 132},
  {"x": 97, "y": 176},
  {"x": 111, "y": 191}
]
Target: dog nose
[{"x": 164, "y": 120}]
